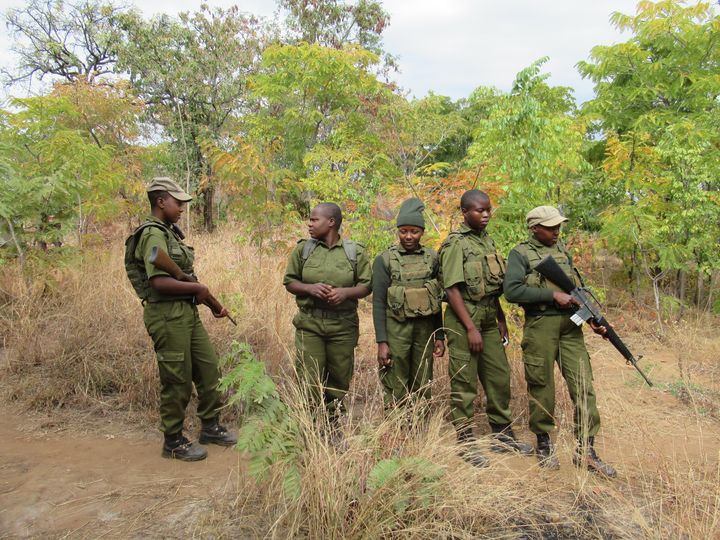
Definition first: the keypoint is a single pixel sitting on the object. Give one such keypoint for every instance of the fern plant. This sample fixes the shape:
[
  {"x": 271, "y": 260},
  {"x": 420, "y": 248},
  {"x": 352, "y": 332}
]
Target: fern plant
[{"x": 268, "y": 434}]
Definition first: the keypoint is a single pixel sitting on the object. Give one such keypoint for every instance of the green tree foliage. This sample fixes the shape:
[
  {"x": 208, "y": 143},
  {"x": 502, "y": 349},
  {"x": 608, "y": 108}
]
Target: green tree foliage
[
  {"x": 321, "y": 114},
  {"x": 532, "y": 144},
  {"x": 63, "y": 166},
  {"x": 657, "y": 111},
  {"x": 335, "y": 23},
  {"x": 192, "y": 73}
]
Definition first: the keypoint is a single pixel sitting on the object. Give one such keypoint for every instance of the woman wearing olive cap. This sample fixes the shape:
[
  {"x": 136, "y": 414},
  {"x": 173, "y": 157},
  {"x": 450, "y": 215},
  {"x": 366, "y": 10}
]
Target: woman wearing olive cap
[
  {"x": 549, "y": 336},
  {"x": 185, "y": 355}
]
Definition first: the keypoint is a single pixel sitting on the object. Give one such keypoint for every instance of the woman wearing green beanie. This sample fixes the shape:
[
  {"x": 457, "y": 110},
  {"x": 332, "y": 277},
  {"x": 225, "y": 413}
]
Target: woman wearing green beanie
[{"x": 407, "y": 310}]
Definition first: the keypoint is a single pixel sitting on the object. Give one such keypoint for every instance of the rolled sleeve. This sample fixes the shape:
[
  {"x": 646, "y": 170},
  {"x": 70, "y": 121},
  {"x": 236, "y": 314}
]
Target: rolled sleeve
[
  {"x": 451, "y": 264},
  {"x": 293, "y": 272},
  {"x": 149, "y": 238},
  {"x": 363, "y": 270}
]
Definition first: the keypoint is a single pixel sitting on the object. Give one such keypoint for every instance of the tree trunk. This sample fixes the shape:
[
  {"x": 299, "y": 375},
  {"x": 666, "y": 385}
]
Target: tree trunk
[
  {"x": 681, "y": 287},
  {"x": 700, "y": 289},
  {"x": 209, "y": 209}
]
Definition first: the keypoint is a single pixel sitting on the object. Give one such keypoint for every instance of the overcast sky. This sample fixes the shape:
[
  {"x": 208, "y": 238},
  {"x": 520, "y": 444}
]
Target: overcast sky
[{"x": 451, "y": 47}]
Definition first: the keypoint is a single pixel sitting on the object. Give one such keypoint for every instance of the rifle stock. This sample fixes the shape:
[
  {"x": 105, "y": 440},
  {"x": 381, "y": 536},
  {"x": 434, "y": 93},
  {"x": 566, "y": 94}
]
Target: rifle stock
[
  {"x": 588, "y": 309},
  {"x": 163, "y": 261}
]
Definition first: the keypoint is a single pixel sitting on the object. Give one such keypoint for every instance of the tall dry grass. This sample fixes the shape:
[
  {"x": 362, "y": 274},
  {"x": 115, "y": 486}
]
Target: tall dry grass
[{"x": 75, "y": 339}]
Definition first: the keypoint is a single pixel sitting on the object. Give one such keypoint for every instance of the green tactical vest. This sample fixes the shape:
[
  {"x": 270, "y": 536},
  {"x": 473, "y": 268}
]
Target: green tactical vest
[
  {"x": 484, "y": 271},
  {"x": 534, "y": 254},
  {"x": 182, "y": 254},
  {"x": 413, "y": 291}
]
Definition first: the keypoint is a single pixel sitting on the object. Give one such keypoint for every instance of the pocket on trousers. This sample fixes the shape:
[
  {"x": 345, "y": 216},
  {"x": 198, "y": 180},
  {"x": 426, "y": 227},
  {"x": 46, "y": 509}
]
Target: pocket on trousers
[
  {"x": 534, "y": 370},
  {"x": 172, "y": 367}
]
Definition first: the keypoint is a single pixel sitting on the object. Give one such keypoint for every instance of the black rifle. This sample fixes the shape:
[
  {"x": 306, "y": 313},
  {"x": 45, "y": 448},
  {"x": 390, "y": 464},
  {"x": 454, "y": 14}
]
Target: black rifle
[{"x": 589, "y": 308}]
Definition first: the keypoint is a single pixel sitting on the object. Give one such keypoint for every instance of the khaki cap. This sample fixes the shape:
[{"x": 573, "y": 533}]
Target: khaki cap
[
  {"x": 163, "y": 183},
  {"x": 547, "y": 216}
]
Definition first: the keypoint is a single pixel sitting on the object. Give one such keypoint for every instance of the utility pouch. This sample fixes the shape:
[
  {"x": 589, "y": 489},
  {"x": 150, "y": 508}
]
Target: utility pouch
[
  {"x": 474, "y": 279},
  {"x": 435, "y": 293},
  {"x": 396, "y": 302}
]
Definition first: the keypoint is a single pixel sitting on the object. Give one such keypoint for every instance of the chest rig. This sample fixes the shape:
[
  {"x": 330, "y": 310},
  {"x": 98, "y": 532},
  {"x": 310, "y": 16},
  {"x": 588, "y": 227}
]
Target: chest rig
[
  {"x": 483, "y": 266},
  {"x": 180, "y": 253},
  {"x": 413, "y": 291},
  {"x": 534, "y": 254}
]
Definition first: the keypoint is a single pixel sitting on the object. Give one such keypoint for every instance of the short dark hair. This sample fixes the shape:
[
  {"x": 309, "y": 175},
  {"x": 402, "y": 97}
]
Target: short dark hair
[
  {"x": 331, "y": 210},
  {"x": 472, "y": 195},
  {"x": 153, "y": 197}
]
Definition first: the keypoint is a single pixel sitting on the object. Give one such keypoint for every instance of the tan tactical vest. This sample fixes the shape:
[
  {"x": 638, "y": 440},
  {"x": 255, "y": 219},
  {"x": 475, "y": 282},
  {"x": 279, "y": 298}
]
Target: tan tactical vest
[
  {"x": 484, "y": 271},
  {"x": 413, "y": 291}
]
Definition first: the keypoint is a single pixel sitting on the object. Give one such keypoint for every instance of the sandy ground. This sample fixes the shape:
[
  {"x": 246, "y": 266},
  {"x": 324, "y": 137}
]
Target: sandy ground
[
  {"x": 56, "y": 481},
  {"x": 61, "y": 477}
]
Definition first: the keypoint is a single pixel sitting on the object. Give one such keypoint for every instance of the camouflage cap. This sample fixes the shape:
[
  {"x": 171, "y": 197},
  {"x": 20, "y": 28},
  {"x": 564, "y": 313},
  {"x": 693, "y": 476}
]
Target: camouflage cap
[
  {"x": 547, "y": 216},
  {"x": 163, "y": 183}
]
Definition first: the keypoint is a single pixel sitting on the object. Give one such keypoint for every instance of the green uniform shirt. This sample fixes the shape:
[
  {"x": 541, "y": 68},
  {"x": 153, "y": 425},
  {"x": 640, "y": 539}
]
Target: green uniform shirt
[
  {"x": 181, "y": 253},
  {"x": 330, "y": 266},
  {"x": 452, "y": 257},
  {"x": 518, "y": 291},
  {"x": 380, "y": 283}
]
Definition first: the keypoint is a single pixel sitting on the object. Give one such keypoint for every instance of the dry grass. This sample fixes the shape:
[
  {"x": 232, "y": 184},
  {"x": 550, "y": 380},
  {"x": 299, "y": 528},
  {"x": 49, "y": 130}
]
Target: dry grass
[{"x": 75, "y": 340}]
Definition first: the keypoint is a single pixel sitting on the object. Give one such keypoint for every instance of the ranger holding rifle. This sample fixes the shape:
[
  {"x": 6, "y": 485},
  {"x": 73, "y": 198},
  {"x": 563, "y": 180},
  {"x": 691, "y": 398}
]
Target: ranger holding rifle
[
  {"x": 550, "y": 335},
  {"x": 160, "y": 268}
]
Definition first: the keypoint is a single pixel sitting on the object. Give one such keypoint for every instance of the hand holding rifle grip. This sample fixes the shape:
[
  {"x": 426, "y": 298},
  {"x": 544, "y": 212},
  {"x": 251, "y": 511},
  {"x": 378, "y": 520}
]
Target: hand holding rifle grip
[
  {"x": 551, "y": 271},
  {"x": 163, "y": 261}
]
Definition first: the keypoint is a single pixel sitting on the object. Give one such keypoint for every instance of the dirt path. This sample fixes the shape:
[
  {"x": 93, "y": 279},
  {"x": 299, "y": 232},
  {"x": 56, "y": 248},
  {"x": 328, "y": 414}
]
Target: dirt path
[
  {"x": 106, "y": 479},
  {"x": 90, "y": 485}
]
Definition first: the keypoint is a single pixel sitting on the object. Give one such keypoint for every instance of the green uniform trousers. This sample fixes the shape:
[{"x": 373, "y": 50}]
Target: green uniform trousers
[
  {"x": 185, "y": 356},
  {"x": 326, "y": 354},
  {"x": 555, "y": 338},
  {"x": 411, "y": 345},
  {"x": 491, "y": 366}
]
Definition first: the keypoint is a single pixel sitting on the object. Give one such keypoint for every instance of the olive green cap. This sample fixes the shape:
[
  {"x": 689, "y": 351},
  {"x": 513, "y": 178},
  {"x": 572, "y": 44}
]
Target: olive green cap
[
  {"x": 163, "y": 183},
  {"x": 547, "y": 216},
  {"x": 411, "y": 213}
]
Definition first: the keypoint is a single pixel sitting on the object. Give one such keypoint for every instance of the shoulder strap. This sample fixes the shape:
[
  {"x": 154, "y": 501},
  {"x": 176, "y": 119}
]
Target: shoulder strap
[{"x": 308, "y": 247}]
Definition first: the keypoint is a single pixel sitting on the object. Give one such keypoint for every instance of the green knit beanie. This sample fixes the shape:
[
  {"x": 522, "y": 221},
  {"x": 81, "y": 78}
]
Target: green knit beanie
[{"x": 411, "y": 213}]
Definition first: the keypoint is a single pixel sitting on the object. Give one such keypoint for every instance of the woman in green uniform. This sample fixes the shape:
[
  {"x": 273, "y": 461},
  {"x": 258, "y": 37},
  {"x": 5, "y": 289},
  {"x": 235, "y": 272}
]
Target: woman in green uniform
[
  {"x": 406, "y": 310},
  {"x": 327, "y": 275}
]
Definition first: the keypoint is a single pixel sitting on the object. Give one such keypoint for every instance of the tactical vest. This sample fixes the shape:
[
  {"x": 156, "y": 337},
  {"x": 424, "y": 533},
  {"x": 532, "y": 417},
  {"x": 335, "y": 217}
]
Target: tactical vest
[
  {"x": 413, "y": 291},
  {"x": 484, "y": 272},
  {"x": 534, "y": 254},
  {"x": 182, "y": 254}
]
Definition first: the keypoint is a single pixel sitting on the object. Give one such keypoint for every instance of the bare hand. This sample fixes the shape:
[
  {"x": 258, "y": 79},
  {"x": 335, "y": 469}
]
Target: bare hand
[
  {"x": 439, "y": 348},
  {"x": 384, "y": 357},
  {"x": 475, "y": 340},
  {"x": 598, "y": 329},
  {"x": 337, "y": 296},
  {"x": 222, "y": 313},
  {"x": 564, "y": 300},
  {"x": 201, "y": 294},
  {"x": 319, "y": 290}
]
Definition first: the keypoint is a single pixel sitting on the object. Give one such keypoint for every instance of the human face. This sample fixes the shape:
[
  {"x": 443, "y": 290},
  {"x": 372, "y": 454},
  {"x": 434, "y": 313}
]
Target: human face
[
  {"x": 547, "y": 236},
  {"x": 171, "y": 208},
  {"x": 477, "y": 214},
  {"x": 319, "y": 225},
  {"x": 410, "y": 236}
]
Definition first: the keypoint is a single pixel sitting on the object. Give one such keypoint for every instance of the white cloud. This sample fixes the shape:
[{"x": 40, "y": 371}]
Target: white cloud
[{"x": 453, "y": 46}]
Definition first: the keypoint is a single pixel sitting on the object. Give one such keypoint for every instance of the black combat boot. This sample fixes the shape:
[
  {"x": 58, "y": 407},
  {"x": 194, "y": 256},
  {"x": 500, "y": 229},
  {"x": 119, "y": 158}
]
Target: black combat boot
[
  {"x": 468, "y": 450},
  {"x": 504, "y": 440},
  {"x": 545, "y": 452},
  {"x": 213, "y": 433},
  {"x": 585, "y": 456},
  {"x": 178, "y": 447}
]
